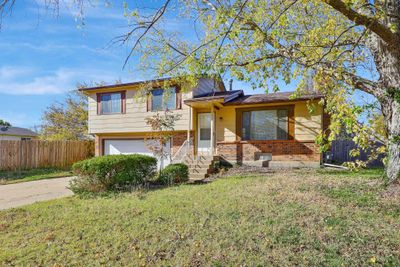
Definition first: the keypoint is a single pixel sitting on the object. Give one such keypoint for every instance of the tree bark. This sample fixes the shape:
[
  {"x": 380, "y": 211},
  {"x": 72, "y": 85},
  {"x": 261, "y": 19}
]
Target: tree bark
[
  {"x": 388, "y": 66},
  {"x": 390, "y": 104},
  {"x": 386, "y": 55},
  {"x": 391, "y": 112}
]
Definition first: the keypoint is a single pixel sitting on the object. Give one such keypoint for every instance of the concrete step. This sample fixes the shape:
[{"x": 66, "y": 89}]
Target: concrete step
[
  {"x": 201, "y": 157},
  {"x": 196, "y": 166},
  {"x": 197, "y": 176},
  {"x": 203, "y": 170},
  {"x": 198, "y": 160},
  {"x": 199, "y": 165}
]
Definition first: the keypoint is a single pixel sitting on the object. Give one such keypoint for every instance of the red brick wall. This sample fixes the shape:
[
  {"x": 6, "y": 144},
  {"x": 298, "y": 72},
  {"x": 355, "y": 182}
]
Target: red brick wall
[
  {"x": 281, "y": 150},
  {"x": 97, "y": 146},
  {"x": 178, "y": 140}
]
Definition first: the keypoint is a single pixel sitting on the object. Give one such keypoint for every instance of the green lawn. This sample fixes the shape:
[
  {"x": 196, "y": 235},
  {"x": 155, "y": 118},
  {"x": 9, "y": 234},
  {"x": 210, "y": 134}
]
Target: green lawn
[
  {"x": 11, "y": 177},
  {"x": 288, "y": 218}
]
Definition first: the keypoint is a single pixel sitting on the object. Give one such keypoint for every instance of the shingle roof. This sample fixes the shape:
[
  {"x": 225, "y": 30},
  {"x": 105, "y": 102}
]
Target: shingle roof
[
  {"x": 225, "y": 96},
  {"x": 123, "y": 84},
  {"x": 16, "y": 131},
  {"x": 139, "y": 83},
  {"x": 273, "y": 97}
]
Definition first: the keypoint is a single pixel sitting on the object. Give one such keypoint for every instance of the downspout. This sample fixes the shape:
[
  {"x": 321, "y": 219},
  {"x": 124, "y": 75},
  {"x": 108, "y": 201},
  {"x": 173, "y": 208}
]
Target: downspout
[{"x": 188, "y": 130}]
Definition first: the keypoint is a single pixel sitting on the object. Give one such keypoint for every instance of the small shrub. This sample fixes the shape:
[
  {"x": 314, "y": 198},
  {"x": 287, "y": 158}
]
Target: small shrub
[
  {"x": 174, "y": 174},
  {"x": 113, "y": 172}
]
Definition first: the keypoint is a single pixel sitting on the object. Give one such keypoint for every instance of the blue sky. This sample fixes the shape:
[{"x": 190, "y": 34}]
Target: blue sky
[{"x": 44, "y": 55}]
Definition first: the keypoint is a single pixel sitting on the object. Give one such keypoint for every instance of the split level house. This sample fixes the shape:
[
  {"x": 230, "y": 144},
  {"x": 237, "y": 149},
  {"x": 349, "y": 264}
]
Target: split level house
[{"x": 273, "y": 130}]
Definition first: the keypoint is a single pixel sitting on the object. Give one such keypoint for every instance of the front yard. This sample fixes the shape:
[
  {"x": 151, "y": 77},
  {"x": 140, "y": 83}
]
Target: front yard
[
  {"x": 12, "y": 177},
  {"x": 302, "y": 217}
]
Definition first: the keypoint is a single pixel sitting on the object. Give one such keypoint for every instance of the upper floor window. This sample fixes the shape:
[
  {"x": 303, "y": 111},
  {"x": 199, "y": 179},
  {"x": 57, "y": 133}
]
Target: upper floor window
[
  {"x": 111, "y": 103},
  {"x": 164, "y": 99},
  {"x": 265, "y": 125}
]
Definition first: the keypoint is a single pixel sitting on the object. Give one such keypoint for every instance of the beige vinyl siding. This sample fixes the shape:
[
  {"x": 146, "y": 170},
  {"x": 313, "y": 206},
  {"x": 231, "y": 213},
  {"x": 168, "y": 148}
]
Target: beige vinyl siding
[
  {"x": 134, "y": 118},
  {"x": 226, "y": 124},
  {"x": 12, "y": 137},
  {"x": 136, "y": 111},
  {"x": 307, "y": 125},
  {"x": 205, "y": 86}
]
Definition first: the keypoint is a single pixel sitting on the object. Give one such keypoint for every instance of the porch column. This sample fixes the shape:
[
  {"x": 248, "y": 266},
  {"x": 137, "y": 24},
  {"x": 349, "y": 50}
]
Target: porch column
[
  {"x": 188, "y": 132},
  {"x": 212, "y": 130},
  {"x": 190, "y": 123}
]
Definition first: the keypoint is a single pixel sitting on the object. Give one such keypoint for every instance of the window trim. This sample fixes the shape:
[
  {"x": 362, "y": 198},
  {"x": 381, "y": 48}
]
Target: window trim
[
  {"x": 239, "y": 116},
  {"x": 123, "y": 102},
  {"x": 178, "y": 98}
]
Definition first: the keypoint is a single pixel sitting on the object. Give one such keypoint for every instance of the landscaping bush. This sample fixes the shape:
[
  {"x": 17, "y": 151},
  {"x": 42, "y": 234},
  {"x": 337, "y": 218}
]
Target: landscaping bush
[
  {"x": 174, "y": 174},
  {"x": 113, "y": 172}
]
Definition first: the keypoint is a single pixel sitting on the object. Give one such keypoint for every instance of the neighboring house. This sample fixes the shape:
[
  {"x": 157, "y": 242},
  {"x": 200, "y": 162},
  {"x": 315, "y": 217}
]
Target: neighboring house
[
  {"x": 16, "y": 133},
  {"x": 244, "y": 129}
]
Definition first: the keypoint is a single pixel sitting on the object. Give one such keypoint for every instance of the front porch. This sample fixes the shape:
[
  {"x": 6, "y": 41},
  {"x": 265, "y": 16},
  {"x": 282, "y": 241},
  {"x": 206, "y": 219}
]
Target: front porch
[{"x": 223, "y": 130}]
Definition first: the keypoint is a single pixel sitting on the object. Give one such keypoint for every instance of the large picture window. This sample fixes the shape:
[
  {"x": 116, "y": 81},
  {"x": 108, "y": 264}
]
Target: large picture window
[
  {"x": 265, "y": 124},
  {"x": 163, "y": 99},
  {"x": 110, "y": 103}
]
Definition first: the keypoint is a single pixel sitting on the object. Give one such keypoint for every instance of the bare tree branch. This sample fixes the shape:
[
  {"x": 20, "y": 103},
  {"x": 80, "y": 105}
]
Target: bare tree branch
[
  {"x": 157, "y": 16},
  {"x": 230, "y": 28},
  {"x": 369, "y": 22},
  {"x": 5, "y": 6}
]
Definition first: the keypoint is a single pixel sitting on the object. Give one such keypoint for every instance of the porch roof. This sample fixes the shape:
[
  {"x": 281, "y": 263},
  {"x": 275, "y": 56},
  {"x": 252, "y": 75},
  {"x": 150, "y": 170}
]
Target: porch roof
[
  {"x": 219, "y": 97},
  {"x": 273, "y": 97},
  {"x": 237, "y": 97}
]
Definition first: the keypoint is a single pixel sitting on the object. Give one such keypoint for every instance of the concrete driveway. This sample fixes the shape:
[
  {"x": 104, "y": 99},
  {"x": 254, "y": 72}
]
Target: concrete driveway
[{"x": 15, "y": 195}]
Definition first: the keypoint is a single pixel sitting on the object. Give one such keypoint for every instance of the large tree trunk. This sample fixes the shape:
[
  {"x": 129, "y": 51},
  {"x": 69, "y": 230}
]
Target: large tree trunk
[
  {"x": 387, "y": 62},
  {"x": 391, "y": 112},
  {"x": 388, "y": 65}
]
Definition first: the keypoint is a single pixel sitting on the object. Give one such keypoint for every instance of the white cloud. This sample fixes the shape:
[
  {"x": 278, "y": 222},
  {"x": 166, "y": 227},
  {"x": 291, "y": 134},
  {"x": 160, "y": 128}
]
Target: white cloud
[
  {"x": 10, "y": 72},
  {"x": 90, "y": 9},
  {"x": 57, "y": 48},
  {"x": 13, "y": 80}
]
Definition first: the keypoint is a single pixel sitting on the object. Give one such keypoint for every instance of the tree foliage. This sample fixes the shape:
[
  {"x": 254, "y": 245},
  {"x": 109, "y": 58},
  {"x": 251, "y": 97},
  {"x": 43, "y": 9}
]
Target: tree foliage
[
  {"x": 162, "y": 126},
  {"x": 343, "y": 46},
  {"x": 67, "y": 120},
  {"x": 4, "y": 123},
  {"x": 347, "y": 45}
]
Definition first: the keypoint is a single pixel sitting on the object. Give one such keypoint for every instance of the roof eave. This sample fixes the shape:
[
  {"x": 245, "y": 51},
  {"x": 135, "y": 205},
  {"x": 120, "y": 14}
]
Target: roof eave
[
  {"x": 194, "y": 100},
  {"x": 272, "y": 101}
]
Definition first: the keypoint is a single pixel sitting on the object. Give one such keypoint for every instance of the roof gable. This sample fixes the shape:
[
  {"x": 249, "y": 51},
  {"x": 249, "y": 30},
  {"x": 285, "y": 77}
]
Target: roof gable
[{"x": 4, "y": 130}]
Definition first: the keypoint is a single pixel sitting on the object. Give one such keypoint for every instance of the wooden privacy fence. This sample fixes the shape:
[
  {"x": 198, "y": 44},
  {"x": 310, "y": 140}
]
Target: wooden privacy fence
[
  {"x": 340, "y": 152},
  {"x": 29, "y": 154}
]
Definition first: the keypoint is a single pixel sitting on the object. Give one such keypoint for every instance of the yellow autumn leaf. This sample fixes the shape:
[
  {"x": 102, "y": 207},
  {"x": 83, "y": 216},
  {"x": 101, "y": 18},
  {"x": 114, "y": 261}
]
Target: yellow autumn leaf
[{"x": 372, "y": 259}]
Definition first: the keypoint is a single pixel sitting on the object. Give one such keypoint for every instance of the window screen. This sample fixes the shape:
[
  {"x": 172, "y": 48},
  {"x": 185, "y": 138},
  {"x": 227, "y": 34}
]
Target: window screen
[
  {"x": 265, "y": 125},
  {"x": 163, "y": 99},
  {"x": 111, "y": 103}
]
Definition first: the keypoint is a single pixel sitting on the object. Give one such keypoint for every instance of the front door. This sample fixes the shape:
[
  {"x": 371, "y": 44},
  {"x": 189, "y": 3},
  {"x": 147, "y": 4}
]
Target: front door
[{"x": 204, "y": 133}]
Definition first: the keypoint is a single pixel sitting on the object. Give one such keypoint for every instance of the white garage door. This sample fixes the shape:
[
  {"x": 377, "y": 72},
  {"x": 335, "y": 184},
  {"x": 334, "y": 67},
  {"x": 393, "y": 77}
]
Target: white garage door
[{"x": 136, "y": 146}]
